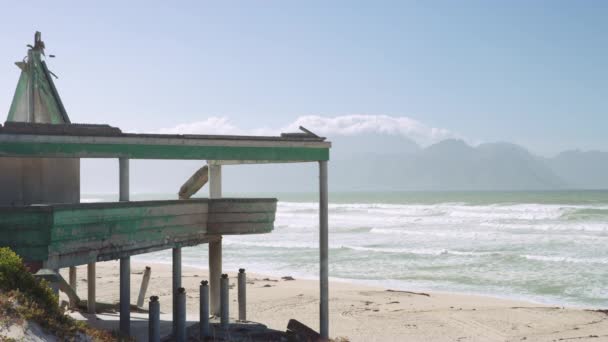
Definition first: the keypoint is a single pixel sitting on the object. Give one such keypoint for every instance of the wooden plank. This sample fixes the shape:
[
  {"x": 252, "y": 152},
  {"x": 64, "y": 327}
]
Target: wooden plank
[
  {"x": 240, "y": 228},
  {"x": 225, "y": 205},
  {"x": 81, "y": 147},
  {"x": 242, "y": 217}
]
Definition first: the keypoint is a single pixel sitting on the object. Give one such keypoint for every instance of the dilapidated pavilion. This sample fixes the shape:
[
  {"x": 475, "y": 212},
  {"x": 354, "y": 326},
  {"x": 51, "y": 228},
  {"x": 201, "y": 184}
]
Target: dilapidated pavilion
[{"x": 42, "y": 219}]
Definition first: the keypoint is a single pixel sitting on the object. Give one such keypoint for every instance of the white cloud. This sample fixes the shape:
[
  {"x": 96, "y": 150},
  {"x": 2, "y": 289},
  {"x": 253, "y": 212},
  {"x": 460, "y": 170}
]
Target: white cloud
[
  {"x": 361, "y": 124},
  {"x": 326, "y": 126}
]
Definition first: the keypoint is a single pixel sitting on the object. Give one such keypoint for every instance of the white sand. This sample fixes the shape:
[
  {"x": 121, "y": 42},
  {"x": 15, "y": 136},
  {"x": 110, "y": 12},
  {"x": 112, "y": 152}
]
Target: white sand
[{"x": 369, "y": 314}]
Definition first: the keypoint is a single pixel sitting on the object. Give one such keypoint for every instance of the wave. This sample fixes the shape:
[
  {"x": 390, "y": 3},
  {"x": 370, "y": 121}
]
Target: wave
[
  {"x": 579, "y": 214},
  {"x": 528, "y": 212},
  {"x": 566, "y": 259}
]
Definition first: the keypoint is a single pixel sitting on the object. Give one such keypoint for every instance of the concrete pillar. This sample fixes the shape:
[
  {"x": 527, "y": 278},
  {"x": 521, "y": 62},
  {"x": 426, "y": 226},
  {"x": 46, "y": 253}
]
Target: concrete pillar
[
  {"x": 177, "y": 283},
  {"x": 154, "y": 320},
  {"x": 204, "y": 311},
  {"x": 125, "y": 263},
  {"x": 91, "y": 288},
  {"x": 224, "y": 302},
  {"x": 215, "y": 247},
  {"x": 180, "y": 331},
  {"x": 242, "y": 294},
  {"x": 123, "y": 164},
  {"x": 73, "y": 280},
  {"x": 125, "y": 296},
  {"x": 323, "y": 249}
]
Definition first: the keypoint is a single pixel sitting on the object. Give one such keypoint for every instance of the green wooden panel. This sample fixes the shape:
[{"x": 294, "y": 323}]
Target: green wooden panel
[
  {"x": 159, "y": 151},
  {"x": 70, "y": 234}
]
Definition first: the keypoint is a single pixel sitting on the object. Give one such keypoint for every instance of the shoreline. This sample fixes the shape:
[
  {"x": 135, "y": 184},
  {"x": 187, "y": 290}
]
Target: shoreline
[
  {"x": 366, "y": 313},
  {"x": 402, "y": 287}
]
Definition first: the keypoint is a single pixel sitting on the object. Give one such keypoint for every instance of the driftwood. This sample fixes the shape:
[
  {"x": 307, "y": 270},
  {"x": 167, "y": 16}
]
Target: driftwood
[{"x": 302, "y": 333}]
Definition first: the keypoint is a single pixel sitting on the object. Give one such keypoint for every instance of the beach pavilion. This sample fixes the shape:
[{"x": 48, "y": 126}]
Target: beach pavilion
[{"x": 42, "y": 220}]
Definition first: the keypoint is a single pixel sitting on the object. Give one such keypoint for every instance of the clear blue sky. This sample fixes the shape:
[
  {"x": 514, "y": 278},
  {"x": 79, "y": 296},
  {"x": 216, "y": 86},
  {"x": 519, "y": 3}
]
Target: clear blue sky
[{"x": 529, "y": 72}]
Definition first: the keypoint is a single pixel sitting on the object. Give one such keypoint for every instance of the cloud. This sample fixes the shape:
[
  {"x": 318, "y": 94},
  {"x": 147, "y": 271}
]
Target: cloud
[
  {"x": 348, "y": 125},
  {"x": 380, "y": 124}
]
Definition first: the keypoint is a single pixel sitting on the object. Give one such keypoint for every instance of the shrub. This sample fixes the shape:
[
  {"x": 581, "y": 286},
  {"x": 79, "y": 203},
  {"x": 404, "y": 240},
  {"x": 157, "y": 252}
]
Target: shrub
[{"x": 29, "y": 298}]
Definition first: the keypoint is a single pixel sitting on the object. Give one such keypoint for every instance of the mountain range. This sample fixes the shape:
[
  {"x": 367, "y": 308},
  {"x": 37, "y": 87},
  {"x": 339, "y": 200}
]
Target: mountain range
[
  {"x": 384, "y": 162},
  {"x": 391, "y": 162}
]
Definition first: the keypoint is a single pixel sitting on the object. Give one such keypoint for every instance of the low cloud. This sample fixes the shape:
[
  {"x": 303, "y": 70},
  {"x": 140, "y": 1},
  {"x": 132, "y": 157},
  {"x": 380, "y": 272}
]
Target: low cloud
[{"x": 348, "y": 125}]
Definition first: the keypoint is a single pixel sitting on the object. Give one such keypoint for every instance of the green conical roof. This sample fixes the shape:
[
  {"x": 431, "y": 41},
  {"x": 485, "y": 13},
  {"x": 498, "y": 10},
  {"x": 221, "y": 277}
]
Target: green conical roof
[{"x": 36, "y": 99}]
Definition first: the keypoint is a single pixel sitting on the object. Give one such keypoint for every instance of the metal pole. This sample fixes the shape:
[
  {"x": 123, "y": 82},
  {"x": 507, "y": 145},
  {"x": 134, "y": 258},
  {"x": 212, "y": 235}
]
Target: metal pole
[
  {"x": 215, "y": 247},
  {"x": 91, "y": 287},
  {"x": 242, "y": 295},
  {"x": 180, "y": 335},
  {"x": 224, "y": 302},
  {"x": 144, "y": 286},
  {"x": 125, "y": 296},
  {"x": 154, "y": 320},
  {"x": 125, "y": 262},
  {"x": 177, "y": 283},
  {"x": 204, "y": 310},
  {"x": 323, "y": 249}
]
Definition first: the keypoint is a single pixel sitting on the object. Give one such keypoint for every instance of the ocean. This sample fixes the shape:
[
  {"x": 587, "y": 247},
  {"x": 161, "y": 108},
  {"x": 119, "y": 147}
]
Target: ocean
[{"x": 548, "y": 247}]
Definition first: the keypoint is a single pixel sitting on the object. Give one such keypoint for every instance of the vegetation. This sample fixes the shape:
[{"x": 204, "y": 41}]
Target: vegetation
[{"x": 25, "y": 298}]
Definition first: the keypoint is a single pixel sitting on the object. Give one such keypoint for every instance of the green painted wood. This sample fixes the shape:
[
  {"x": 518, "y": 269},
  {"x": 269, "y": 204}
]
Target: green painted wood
[
  {"x": 160, "y": 151},
  {"x": 73, "y": 234}
]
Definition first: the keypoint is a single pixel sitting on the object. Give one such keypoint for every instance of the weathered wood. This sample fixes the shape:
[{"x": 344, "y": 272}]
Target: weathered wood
[
  {"x": 135, "y": 146},
  {"x": 194, "y": 183},
  {"x": 234, "y": 228},
  {"x": 76, "y": 234},
  {"x": 145, "y": 280}
]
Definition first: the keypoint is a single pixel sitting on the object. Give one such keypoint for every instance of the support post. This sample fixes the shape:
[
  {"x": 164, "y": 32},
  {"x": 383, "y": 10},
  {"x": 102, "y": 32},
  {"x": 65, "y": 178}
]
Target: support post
[
  {"x": 242, "y": 295},
  {"x": 73, "y": 280},
  {"x": 123, "y": 164},
  {"x": 215, "y": 247},
  {"x": 225, "y": 303},
  {"x": 144, "y": 286},
  {"x": 323, "y": 252},
  {"x": 125, "y": 262},
  {"x": 204, "y": 311},
  {"x": 177, "y": 283},
  {"x": 91, "y": 288},
  {"x": 125, "y": 296},
  {"x": 154, "y": 320},
  {"x": 54, "y": 285},
  {"x": 180, "y": 335}
]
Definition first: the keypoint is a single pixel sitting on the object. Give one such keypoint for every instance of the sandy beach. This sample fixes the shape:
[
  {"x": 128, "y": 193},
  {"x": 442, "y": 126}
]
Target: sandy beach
[{"x": 362, "y": 313}]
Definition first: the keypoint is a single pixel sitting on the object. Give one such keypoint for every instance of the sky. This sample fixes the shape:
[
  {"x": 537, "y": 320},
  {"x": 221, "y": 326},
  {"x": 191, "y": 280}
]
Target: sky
[{"x": 533, "y": 73}]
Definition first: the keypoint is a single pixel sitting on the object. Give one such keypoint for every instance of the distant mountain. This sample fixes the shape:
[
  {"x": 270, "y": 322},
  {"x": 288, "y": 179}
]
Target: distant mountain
[
  {"x": 581, "y": 170},
  {"x": 382, "y": 162},
  {"x": 452, "y": 165}
]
